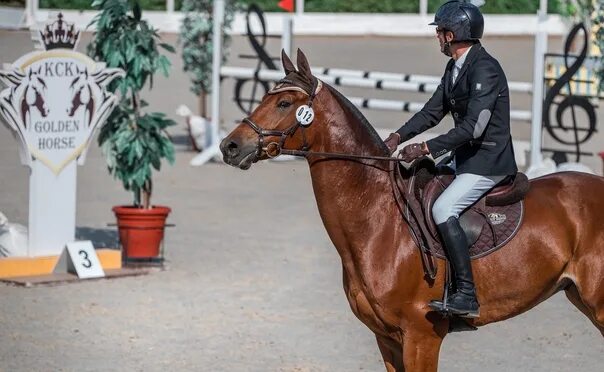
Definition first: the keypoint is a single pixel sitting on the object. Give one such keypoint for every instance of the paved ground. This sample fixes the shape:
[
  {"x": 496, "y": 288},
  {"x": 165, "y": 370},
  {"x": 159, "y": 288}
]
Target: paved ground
[{"x": 252, "y": 283}]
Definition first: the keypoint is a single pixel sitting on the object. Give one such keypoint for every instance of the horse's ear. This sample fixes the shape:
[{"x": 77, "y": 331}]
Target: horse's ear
[
  {"x": 13, "y": 77},
  {"x": 106, "y": 76},
  {"x": 288, "y": 65},
  {"x": 303, "y": 65}
]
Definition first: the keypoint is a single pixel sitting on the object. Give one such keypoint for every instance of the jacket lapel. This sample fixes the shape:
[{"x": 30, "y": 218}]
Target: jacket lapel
[
  {"x": 447, "y": 77},
  {"x": 469, "y": 58}
]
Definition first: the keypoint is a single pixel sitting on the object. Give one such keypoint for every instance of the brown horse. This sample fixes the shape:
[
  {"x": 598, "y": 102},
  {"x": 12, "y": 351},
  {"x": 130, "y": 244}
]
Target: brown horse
[{"x": 560, "y": 245}]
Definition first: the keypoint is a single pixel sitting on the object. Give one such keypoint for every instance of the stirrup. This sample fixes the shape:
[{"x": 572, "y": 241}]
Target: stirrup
[
  {"x": 448, "y": 312},
  {"x": 441, "y": 306},
  {"x": 464, "y": 313}
]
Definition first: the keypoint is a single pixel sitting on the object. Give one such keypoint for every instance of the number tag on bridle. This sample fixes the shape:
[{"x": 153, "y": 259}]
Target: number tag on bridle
[{"x": 305, "y": 115}]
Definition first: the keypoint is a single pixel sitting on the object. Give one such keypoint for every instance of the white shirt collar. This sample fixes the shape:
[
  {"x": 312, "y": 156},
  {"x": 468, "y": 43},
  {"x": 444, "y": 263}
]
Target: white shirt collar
[{"x": 462, "y": 59}]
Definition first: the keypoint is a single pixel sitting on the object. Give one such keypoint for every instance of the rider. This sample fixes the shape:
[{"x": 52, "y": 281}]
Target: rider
[{"x": 474, "y": 90}]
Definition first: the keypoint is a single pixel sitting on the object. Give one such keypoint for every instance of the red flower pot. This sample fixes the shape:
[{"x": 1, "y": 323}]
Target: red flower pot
[{"x": 141, "y": 230}]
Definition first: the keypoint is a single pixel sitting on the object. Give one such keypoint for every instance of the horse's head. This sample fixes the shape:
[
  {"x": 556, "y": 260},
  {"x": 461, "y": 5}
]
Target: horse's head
[
  {"x": 284, "y": 119},
  {"x": 80, "y": 90},
  {"x": 35, "y": 92}
]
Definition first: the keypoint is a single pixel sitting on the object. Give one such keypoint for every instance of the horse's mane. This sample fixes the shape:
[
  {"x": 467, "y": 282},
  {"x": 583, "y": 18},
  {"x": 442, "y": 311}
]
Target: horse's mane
[{"x": 349, "y": 106}]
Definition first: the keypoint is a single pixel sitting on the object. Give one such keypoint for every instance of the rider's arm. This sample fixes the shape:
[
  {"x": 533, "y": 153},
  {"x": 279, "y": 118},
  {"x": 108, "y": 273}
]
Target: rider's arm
[
  {"x": 430, "y": 115},
  {"x": 484, "y": 90}
]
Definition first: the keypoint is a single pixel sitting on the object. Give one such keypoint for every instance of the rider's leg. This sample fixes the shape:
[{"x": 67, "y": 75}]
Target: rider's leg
[{"x": 464, "y": 191}]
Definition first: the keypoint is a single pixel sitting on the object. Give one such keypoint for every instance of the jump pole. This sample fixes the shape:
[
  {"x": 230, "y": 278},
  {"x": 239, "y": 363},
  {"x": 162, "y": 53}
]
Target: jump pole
[{"x": 214, "y": 150}]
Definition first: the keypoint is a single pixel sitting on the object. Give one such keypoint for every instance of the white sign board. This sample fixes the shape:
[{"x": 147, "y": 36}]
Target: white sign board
[
  {"x": 80, "y": 258},
  {"x": 56, "y": 99}
]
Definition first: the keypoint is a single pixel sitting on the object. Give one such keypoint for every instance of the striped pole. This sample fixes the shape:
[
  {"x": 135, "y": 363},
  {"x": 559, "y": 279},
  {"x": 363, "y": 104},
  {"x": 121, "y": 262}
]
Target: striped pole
[
  {"x": 516, "y": 86},
  {"x": 344, "y": 81},
  {"x": 390, "y": 105},
  {"x": 361, "y": 79}
]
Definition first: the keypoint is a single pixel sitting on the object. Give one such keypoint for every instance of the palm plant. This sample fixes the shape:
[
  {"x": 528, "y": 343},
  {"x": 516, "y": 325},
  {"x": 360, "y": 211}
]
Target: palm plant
[{"x": 132, "y": 141}]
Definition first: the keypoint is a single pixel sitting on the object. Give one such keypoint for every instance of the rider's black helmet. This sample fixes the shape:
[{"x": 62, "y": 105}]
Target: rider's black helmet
[{"x": 461, "y": 18}]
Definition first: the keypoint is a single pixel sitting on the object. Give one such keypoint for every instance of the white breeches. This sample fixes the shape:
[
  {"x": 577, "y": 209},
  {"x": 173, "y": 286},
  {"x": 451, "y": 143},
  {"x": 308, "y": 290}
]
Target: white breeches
[{"x": 465, "y": 190}]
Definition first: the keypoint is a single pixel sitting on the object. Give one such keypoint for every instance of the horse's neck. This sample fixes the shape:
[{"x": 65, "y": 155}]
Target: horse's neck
[{"x": 355, "y": 198}]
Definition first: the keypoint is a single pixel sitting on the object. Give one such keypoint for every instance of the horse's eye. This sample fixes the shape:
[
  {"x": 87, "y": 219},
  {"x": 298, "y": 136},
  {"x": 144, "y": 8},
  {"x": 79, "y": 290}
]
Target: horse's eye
[{"x": 284, "y": 104}]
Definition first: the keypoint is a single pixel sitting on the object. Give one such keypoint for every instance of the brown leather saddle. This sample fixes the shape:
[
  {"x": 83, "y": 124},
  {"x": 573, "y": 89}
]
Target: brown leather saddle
[{"x": 489, "y": 224}]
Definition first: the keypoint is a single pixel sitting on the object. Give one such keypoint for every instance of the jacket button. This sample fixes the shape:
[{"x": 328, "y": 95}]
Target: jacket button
[
  {"x": 455, "y": 115},
  {"x": 452, "y": 101}
]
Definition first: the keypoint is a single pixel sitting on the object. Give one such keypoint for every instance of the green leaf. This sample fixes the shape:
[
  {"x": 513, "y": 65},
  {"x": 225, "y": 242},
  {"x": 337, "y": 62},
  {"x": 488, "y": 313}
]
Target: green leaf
[
  {"x": 168, "y": 47},
  {"x": 137, "y": 11}
]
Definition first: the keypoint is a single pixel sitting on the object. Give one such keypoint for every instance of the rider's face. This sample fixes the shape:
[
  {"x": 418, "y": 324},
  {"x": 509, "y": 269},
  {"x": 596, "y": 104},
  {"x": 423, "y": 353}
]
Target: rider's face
[
  {"x": 443, "y": 36},
  {"x": 440, "y": 35}
]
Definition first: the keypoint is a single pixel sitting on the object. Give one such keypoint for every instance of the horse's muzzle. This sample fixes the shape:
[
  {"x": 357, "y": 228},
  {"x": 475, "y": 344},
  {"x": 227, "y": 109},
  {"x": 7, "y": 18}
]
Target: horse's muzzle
[{"x": 237, "y": 154}]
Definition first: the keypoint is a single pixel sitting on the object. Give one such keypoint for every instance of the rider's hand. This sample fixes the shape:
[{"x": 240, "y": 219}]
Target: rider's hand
[
  {"x": 392, "y": 142},
  {"x": 413, "y": 151}
]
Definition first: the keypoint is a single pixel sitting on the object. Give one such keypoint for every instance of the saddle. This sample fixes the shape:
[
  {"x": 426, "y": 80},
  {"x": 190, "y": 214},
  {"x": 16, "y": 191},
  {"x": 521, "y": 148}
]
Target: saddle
[{"x": 489, "y": 224}]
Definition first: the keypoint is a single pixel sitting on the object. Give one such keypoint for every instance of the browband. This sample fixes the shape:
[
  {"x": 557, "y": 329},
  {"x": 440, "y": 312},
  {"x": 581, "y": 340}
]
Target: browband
[{"x": 281, "y": 87}]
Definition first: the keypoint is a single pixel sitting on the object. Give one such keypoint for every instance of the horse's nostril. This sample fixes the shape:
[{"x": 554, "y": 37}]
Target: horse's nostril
[{"x": 232, "y": 149}]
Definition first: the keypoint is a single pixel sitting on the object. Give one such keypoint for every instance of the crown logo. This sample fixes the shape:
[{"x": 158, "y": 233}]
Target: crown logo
[{"x": 59, "y": 34}]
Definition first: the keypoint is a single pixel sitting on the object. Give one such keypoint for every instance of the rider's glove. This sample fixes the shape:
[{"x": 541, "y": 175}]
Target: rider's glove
[
  {"x": 392, "y": 142},
  {"x": 413, "y": 151}
]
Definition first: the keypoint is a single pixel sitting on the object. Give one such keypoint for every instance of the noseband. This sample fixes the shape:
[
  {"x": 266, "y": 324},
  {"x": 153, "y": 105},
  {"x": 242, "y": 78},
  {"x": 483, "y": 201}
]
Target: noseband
[{"x": 274, "y": 149}]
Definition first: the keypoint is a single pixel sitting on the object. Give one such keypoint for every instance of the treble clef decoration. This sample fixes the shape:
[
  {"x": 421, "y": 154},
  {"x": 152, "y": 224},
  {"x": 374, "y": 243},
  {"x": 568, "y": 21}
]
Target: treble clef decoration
[
  {"x": 580, "y": 135},
  {"x": 247, "y": 104}
]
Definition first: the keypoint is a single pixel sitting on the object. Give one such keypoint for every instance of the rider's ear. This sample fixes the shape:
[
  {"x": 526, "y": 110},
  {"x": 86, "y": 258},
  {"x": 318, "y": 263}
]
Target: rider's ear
[
  {"x": 288, "y": 65},
  {"x": 449, "y": 36},
  {"x": 303, "y": 65}
]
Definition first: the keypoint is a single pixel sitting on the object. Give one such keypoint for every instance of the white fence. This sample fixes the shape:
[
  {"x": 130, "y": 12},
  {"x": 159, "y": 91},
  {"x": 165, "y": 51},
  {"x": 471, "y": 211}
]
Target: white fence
[
  {"x": 321, "y": 23},
  {"x": 369, "y": 79}
]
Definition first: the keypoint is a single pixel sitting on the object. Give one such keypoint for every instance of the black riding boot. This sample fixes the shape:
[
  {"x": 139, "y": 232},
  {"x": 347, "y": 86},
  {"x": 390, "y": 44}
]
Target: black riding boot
[{"x": 463, "y": 302}]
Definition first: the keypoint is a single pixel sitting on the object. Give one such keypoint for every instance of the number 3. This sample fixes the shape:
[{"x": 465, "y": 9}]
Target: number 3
[{"x": 87, "y": 264}]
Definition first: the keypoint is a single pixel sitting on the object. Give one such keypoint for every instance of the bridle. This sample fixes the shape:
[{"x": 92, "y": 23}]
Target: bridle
[{"x": 274, "y": 149}]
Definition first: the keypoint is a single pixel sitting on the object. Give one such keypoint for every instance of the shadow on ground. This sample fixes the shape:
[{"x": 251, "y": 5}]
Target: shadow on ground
[{"x": 101, "y": 238}]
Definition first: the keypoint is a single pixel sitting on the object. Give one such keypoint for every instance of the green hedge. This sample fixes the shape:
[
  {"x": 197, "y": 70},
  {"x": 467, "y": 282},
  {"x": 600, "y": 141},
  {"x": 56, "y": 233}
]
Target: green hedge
[
  {"x": 85, "y": 4},
  {"x": 407, "y": 6},
  {"x": 345, "y": 6}
]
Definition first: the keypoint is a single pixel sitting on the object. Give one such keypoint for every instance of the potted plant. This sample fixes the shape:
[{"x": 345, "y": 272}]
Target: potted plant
[
  {"x": 133, "y": 141},
  {"x": 196, "y": 39}
]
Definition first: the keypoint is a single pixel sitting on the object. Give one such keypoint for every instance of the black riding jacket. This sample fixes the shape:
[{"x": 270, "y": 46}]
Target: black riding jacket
[{"x": 479, "y": 102}]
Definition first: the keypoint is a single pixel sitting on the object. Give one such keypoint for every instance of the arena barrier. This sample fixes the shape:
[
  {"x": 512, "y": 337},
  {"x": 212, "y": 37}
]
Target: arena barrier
[{"x": 372, "y": 80}]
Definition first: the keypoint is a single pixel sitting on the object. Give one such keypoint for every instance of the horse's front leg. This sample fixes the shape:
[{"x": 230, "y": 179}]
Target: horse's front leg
[
  {"x": 391, "y": 353},
  {"x": 420, "y": 350}
]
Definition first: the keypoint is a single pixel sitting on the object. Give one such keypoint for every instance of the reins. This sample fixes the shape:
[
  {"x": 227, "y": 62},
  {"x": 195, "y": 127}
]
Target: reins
[
  {"x": 335, "y": 155},
  {"x": 304, "y": 117}
]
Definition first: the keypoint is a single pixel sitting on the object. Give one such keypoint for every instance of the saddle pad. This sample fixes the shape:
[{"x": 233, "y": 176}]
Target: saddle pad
[{"x": 505, "y": 221}]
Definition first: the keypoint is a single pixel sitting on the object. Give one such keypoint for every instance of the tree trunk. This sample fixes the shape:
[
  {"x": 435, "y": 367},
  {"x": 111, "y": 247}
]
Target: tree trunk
[
  {"x": 202, "y": 104},
  {"x": 146, "y": 191}
]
